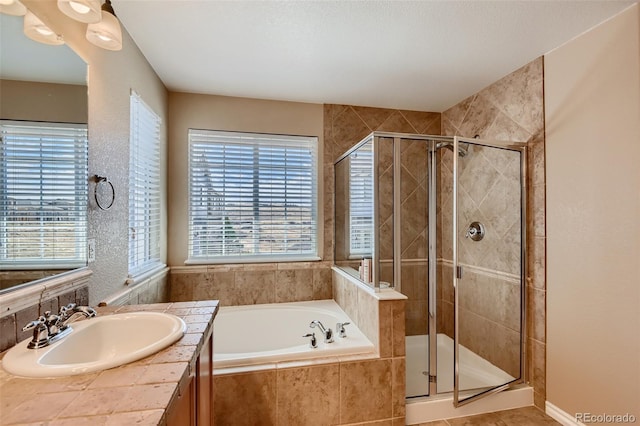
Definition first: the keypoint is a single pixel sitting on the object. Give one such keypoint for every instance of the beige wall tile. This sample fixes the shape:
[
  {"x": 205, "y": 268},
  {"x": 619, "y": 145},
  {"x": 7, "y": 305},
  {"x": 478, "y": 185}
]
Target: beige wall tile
[
  {"x": 293, "y": 285},
  {"x": 309, "y": 396},
  {"x": 256, "y": 392},
  {"x": 398, "y": 387},
  {"x": 255, "y": 287},
  {"x": 398, "y": 327},
  {"x": 365, "y": 385},
  {"x": 385, "y": 328}
]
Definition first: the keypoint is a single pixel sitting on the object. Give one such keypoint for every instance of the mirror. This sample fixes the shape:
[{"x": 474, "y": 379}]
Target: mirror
[{"x": 42, "y": 84}]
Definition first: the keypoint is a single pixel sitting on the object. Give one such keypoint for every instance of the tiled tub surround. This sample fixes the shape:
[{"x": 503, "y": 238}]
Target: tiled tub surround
[
  {"x": 512, "y": 109},
  {"x": 327, "y": 391},
  {"x": 136, "y": 393},
  {"x": 250, "y": 284}
]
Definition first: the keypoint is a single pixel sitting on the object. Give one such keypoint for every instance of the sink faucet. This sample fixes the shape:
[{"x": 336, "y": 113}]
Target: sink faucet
[
  {"x": 71, "y": 313},
  {"x": 49, "y": 328},
  {"x": 328, "y": 334}
]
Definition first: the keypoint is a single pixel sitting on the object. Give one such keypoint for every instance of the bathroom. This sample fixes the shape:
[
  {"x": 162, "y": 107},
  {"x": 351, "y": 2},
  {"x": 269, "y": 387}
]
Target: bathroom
[{"x": 511, "y": 108}]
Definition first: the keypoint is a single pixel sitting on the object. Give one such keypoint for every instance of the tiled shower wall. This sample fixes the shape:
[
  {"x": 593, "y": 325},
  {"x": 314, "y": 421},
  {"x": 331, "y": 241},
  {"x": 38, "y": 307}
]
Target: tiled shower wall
[
  {"x": 344, "y": 126},
  {"x": 512, "y": 109}
]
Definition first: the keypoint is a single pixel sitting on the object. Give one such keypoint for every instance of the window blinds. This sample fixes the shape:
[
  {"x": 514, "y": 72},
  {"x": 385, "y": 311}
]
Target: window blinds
[
  {"x": 144, "y": 188},
  {"x": 361, "y": 202},
  {"x": 252, "y": 197},
  {"x": 43, "y": 195}
]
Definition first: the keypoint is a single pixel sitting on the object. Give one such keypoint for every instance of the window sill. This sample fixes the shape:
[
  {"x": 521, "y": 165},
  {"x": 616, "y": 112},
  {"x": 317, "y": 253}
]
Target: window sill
[
  {"x": 248, "y": 259},
  {"x": 146, "y": 274}
]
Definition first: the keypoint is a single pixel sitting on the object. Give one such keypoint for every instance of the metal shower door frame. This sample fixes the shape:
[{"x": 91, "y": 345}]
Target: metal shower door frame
[{"x": 458, "y": 399}]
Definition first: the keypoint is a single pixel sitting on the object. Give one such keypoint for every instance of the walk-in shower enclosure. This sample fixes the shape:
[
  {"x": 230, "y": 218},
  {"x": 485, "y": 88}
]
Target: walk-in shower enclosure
[{"x": 442, "y": 220}]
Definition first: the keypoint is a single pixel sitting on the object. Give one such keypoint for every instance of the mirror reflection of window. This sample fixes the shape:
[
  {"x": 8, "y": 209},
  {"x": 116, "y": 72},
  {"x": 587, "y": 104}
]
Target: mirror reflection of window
[
  {"x": 43, "y": 195},
  {"x": 43, "y": 84}
]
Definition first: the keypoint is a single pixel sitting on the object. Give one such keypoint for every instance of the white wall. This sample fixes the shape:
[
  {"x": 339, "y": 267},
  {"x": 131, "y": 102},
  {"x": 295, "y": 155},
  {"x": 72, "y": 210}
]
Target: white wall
[{"x": 592, "y": 103}]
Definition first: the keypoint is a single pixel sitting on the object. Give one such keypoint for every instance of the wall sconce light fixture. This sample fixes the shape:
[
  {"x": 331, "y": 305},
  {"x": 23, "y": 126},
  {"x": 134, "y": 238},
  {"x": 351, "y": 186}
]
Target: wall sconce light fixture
[
  {"x": 12, "y": 7},
  {"x": 106, "y": 33},
  {"x": 36, "y": 30},
  {"x": 87, "y": 11}
]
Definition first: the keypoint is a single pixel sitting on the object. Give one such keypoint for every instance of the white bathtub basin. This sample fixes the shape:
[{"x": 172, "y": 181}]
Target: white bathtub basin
[
  {"x": 97, "y": 344},
  {"x": 270, "y": 333}
]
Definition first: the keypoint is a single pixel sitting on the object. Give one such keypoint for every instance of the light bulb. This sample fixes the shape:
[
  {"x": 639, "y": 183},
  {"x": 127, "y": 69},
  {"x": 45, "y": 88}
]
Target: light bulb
[
  {"x": 36, "y": 30},
  {"x": 79, "y": 7},
  {"x": 45, "y": 31},
  {"x": 87, "y": 11},
  {"x": 12, "y": 7},
  {"x": 106, "y": 33}
]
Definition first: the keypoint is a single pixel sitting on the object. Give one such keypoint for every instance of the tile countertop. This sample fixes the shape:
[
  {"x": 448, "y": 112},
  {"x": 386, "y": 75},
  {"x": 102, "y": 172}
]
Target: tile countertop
[{"x": 135, "y": 393}]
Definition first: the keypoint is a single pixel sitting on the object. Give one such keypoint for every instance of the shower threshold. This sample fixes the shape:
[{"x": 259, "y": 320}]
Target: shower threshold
[
  {"x": 481, "y": 373},
  {"x": 477, "y": 372}
]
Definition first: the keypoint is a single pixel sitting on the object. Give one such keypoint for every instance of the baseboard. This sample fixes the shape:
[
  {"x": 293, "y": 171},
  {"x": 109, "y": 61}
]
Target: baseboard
[{"x": 561, "y": 416}]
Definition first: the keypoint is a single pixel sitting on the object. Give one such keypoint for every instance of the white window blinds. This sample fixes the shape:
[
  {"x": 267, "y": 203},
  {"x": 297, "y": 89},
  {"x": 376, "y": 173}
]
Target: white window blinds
[
  {"x": 361, "y": 202},
  {"x": 144, "y": 188},
  {"x": 43, "y": 195},
  {"x": 252, "y": 197}
]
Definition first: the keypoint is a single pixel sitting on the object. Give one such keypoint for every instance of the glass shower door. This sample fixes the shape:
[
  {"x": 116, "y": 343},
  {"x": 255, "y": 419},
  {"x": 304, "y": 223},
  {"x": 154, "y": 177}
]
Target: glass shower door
[{"x": 489, "y": 266}]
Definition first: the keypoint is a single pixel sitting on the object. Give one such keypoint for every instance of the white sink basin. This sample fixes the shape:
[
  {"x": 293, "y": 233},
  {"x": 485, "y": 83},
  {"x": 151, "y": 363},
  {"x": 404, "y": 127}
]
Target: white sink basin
[{"x": 97, "y": 344}]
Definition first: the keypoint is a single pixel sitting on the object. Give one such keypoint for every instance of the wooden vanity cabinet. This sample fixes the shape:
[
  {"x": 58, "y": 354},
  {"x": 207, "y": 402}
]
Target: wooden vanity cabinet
[{"x": 194, "y": 406}]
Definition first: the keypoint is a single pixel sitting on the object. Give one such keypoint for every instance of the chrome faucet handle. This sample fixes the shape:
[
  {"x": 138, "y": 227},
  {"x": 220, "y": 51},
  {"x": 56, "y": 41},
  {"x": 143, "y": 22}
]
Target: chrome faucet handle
[
  {"x": 40, "y": 333},
  {"x": 67, "y": 310},
  {"x": 52, "y": 322},
  {"x": 71, "y": 313},
  {"x": 340, "y": 329},
  {"x": 328, "y": 334},
  {"x": 87, "y": 311},
  {"x": 313, "y": 343}
]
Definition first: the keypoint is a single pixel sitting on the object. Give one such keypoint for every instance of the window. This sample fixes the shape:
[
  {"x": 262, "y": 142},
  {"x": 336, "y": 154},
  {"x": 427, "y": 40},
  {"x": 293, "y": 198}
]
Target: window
[
  {"x": 361, "y": 202},
  {"x": 43, "y": 195},
  {"x": 144, "y": 188},
  {"x": 252, "y": 197}
]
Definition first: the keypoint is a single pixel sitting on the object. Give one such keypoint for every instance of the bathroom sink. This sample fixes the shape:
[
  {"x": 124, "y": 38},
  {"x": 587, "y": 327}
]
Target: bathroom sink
[{"x": 97, "y": 344}]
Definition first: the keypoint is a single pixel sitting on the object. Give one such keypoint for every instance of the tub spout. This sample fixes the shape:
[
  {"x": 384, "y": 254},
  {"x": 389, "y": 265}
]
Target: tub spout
[{"x": 328, "y": 334}]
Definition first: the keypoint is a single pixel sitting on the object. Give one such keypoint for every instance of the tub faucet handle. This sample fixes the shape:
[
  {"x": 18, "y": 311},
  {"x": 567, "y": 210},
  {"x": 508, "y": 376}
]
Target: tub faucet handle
[
  {"x": 328, "y": 334},
  {"x": 340, "y": 329},
  {"x": 313, "y": 343}
]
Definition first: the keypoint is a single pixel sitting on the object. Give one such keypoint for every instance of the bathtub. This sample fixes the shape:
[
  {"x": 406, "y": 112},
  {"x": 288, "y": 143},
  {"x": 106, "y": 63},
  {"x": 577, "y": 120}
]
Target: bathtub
[{"x": 262, "y": 334}]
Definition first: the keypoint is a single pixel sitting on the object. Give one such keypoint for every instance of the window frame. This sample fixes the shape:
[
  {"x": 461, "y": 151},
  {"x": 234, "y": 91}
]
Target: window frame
[
  {"x": 312, "y": 143},
  {"x": 144, "y": 198}
]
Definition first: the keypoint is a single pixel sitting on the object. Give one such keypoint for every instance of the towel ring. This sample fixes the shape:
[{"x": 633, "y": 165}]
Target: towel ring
[{"x": 104, "y": 192}]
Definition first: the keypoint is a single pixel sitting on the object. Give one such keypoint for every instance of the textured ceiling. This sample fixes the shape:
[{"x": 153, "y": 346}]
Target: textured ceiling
[{"x": 422, "y": 55}]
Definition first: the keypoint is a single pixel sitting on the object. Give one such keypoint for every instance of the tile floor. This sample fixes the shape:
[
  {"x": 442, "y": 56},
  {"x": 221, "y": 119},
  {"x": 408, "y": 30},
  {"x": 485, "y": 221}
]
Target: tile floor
[{"x": 527, "y": 416}]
